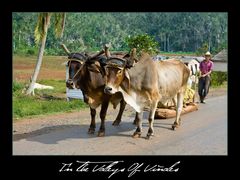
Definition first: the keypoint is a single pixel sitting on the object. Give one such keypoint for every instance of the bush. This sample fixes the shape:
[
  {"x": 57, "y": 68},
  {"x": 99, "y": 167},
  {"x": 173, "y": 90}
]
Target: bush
[
  {"x": 26, "y": 50},
  {"x": 143, "y": 42},
  {"x": 218, "y": 78},
  {"x": 202, "y": 50},
  {"x": 50, "y": 52},
  {"x": 30, "y": 52}
]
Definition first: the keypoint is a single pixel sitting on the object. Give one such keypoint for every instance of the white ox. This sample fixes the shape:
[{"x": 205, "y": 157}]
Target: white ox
[
  {"x": 193, "y": 66},
  {"x": 148, "y": 81}
]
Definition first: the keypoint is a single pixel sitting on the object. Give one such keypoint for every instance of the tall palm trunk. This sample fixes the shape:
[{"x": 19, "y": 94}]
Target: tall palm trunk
[
  {"x": 40, "y": 56},
  {"x": 45, "y": 26},
  {"x": 38, "y": 64},
  {"x": 41, "y": 34}
]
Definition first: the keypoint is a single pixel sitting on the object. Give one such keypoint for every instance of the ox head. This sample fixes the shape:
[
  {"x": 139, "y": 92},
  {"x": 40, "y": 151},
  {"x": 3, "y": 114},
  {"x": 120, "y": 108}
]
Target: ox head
[
  {"x": 74, "y": 65},
  {"x": 80, "y": 65},
  {"x": 115, "y": 71},
  {"x": 116, "y": 74}
]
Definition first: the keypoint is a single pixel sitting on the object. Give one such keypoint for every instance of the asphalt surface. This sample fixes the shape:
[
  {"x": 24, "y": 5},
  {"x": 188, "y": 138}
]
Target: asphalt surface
[{"x": 202, "y": 132}]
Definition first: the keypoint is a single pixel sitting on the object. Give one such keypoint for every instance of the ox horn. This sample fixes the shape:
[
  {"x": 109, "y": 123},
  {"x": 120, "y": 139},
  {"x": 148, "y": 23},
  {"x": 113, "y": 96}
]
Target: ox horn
[
  {"x": 107, "y": 52},
  {"x": 133, "y": 54},
  {"x": 133, "y": 58},
  {"x": 66, "y": 49}
]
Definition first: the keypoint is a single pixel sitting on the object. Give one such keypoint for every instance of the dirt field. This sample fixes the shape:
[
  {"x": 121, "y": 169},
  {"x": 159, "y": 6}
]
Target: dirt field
[{"x": 52, "y": 68}]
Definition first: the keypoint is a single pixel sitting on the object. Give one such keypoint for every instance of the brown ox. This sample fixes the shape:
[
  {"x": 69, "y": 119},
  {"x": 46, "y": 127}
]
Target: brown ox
[
  {"x": 148, "y": 81},
  {"x": 86, "y": 74}
]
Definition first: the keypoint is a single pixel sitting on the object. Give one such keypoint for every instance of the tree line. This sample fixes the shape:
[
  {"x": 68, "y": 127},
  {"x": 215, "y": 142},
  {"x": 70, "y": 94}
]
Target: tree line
[{"x": 88, "y": 31}]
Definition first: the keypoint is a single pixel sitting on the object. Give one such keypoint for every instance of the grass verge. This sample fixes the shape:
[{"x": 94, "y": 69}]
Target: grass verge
[{"x": 44, "y": 102}]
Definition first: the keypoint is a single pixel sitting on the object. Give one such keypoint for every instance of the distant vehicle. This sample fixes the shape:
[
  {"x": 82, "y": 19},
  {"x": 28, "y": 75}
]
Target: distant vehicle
[{"x": 159, "y": 57}]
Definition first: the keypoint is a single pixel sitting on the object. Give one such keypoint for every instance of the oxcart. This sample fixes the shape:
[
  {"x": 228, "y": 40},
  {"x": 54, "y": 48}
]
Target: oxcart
[{"x": 167, "y": 110}]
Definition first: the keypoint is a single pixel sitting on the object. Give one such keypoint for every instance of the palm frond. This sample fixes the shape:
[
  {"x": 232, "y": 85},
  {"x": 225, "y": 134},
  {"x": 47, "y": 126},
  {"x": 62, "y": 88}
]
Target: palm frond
[
  {"x": 38, "y": 32},
  {"x": 59, "y": 24},
  {"x": 42, "y": 26}
]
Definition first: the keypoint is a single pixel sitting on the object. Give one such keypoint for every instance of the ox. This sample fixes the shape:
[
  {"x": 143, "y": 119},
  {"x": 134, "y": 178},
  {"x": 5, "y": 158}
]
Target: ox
[
  {"x": 86, "y": 73},
  {"x": 149, "y": 82},
  {"x": 193, "y": 65}
]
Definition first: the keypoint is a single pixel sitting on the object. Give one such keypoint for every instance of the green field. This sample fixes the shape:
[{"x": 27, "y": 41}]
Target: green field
[{"x": 44, "y": 102}]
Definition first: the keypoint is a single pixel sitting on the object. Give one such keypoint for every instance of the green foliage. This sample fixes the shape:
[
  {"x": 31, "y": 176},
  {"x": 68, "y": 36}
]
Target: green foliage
[
  {"x": 218, "y": 78},
  {"x": 43, "y": 24},
  {"x": 31, "y": 52},
  {"x": 53, "y": 52},
  {"x": 180, "y": 31},
  {"x": 178, "y": 53},
  {"x": 216, "y": 50},
  {"x": 202, "y": 50},
  {"x": 59, "y": 24},
  {"x": 17, "y": 86},
  {"x": 26, "y": 50},
  {"x": 44, "y": 102},
  {"x": 143, "y": 42}
]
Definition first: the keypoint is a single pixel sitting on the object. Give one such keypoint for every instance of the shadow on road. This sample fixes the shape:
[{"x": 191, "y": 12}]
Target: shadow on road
[
  {"x": 45, "y": 130},
  {"x": 54, "y": 134},
  {"x": 58, "y": 133},
  {"x": 158, "y": 124}
]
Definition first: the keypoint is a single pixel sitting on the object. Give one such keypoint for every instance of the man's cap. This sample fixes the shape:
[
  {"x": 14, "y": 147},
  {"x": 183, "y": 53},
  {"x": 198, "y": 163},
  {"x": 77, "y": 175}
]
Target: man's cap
[{"x": 208, "y": 54}]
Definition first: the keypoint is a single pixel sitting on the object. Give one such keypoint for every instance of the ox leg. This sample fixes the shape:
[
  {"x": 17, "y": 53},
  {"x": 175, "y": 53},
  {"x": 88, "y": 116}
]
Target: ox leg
[
  {"x": 119, "y": 116},
  {"x": 135, "y": 122},
  {"x": 179, "y": 107},
  {"x": 138, "y": 131},
  {"x": 92, "y": 127},
  {"x": 103, "y": 113},
  {"x": 153, "y": 108},
  {"x": 174, "y": 102}
]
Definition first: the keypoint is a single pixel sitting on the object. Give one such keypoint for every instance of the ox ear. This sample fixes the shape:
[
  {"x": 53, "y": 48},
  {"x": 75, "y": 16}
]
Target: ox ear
[
  {"x": 100, "y": 68},
  {"x": 126, "y": 80},
  {"x": 126, "y": 74}
]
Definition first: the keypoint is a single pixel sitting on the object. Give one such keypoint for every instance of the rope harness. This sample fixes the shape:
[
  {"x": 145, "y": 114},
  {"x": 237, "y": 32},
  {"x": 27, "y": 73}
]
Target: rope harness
[{"x": 75, "y": 57}]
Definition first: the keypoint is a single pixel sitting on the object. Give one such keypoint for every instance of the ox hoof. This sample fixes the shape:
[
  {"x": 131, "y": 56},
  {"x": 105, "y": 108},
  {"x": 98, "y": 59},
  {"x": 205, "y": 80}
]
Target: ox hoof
[
  {"x": 101, "y": 133},
  {"x": 136, "y": 135},
  {"x": 116, "y": 123},
  {"x": 91, "y": 131},
  {"x": 149, "y": 136},
  {"x": 175, "y": 125}
]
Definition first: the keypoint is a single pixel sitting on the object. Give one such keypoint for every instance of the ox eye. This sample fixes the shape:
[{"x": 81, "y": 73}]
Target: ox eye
[{"x": 119, "y": 71}]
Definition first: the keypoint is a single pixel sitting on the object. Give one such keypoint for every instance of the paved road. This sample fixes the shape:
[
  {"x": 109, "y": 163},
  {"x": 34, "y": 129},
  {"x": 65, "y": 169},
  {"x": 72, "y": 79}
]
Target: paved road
[{"x": 203, "y": 132}]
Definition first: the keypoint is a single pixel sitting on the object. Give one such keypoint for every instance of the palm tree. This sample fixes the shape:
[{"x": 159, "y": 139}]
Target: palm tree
[{"x": 40, "y": 34}]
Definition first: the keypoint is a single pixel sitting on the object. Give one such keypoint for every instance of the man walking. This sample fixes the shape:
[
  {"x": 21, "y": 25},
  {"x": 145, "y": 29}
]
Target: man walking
[{"x": 205, "y": 67}]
